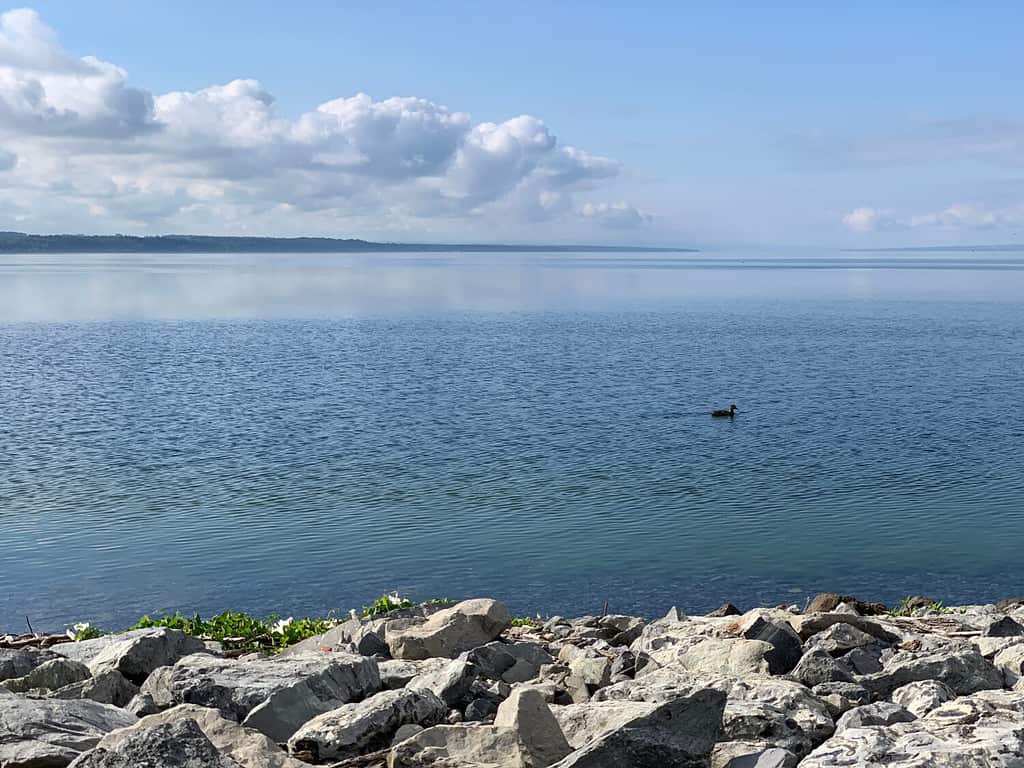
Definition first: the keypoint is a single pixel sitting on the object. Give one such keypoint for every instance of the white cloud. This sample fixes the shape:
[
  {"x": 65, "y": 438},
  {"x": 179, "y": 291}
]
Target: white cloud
[
  {"x": 957, "y": 216},
  {"x": 92, "y": 149},
  {"x": 43, "y": 90},
  {"x": 618, "y": 215},
  {"x": 965, "y": 216},
  {"x": 863, "y": 219}
]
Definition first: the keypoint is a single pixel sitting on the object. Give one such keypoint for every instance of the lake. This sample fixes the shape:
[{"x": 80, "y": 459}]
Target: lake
[{"x": 296, "y": 434}]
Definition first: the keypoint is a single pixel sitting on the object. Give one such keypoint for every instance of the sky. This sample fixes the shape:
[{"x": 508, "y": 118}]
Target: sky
[{"x": 868, "y": 124}]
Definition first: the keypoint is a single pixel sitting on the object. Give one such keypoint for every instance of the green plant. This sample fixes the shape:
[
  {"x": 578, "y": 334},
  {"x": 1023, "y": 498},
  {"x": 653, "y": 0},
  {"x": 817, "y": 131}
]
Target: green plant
[
  {"x": 84, "y": 631},
  {"x": 904, "y": 608},
  {"x": 386, "y": 604},
  {"x": 241, "y": 630}
]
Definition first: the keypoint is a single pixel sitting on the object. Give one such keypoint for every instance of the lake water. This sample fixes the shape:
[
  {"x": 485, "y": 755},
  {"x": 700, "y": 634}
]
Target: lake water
[{"x": 298, "y": 433}]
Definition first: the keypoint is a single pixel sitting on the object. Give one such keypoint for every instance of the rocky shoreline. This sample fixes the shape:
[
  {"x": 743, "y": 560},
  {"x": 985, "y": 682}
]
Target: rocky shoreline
[{"x": 838, "y": 682}]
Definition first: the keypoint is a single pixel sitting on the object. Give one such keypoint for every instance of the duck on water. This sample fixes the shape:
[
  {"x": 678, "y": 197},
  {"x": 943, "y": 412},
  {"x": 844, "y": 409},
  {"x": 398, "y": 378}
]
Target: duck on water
[{"x": 730, "y": 413}]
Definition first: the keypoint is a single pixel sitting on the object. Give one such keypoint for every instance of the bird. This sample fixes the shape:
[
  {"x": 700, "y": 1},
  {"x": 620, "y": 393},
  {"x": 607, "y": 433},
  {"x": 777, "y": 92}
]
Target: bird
[{"x": 730, "y": 413}]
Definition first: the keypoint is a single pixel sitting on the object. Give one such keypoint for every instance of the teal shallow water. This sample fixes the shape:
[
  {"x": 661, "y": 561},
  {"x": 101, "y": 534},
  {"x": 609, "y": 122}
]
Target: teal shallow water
[{"x": 298, "y": 434}]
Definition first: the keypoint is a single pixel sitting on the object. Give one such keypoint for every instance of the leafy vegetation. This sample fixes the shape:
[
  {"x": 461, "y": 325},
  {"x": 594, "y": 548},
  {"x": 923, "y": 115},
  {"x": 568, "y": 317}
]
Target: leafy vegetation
[
  {"x": 904, "y": 608},
  {"x": 527, "y": 621},
  {"x": 84, "y": 631},
  {"x": 242, "y": 631},
  {"x": 386, "y": 604}
]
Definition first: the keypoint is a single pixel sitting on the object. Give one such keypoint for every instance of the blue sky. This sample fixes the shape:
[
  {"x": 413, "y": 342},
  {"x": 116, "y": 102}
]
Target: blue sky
[{"x": 724, "y": 123}]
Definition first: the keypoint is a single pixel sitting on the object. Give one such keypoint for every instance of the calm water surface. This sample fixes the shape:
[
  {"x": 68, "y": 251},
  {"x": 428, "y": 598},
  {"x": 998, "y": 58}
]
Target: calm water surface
[{"x": 298, "y": 433}]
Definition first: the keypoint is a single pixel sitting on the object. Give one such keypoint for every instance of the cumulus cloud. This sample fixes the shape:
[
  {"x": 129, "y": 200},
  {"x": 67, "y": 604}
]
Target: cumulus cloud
[
  {"x": 956, "y": 216},
  {"x": 91, "y": 145},
  {"x": 44, "y": 90},
  {"x": 864, "y": 219},
  {"x": 618, "y": 215}
]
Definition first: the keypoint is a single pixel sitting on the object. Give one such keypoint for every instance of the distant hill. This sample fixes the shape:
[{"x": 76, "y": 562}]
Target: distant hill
[{"x": 19, "y": 242}]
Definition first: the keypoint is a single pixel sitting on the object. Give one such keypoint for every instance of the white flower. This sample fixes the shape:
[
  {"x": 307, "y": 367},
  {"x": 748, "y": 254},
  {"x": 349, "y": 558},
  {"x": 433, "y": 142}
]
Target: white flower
[
  {"x": 279, "y": 626},
  {"x": 395, "y": 599},
  {"x": 77, "y": 629}
]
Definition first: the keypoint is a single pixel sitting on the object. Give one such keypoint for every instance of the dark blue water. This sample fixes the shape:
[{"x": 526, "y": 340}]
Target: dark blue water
[{"x": 296, "y": 437}]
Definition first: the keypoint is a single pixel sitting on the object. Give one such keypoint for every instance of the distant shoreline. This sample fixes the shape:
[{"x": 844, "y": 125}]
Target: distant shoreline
[
  {"x": 937, "y": 249},
  {"x": 20, "y": 242}
]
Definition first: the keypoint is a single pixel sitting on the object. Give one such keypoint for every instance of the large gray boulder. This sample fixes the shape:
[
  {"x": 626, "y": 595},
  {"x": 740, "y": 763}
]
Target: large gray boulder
[
  {"x": 922, "y": 697},
  {"x": 180, "y": 744},
  {"x": 451, "y": 631},
  {"x": 681, "y": 732},
  {"x": 1010, "y": 662},
  {"x": 40, "y": 733},
  {"x": 19, "y": 662},
  {"x": 526, "y": 712},
  {"x": 765, "y": 724},
  {"x": 48, "y": 676},
  {"x": 511, "y": 662},
  {"x": 964, "y": 671},
  {"x": 719, "y": 655},
  {"x": 247, "y": 747},
  {"x": 273, "y": 694},
  {"x": 451, "y": 683},
  {"x": 817, "y": 667},
  {"x": 134, "y": 654},
  {"x": 355, "y": 729},
  {"x": 809, "y": 624},
  {"x": 107, "y": 687},
  {"x": 584, "y": 723},
  {"x": 786, "y": 646},
  {"x": 838, "y": 639}
]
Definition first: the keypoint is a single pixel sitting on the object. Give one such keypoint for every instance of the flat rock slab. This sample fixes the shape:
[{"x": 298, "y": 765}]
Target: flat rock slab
[
  {"x": 272, "y": 694},
  {"x": 38, "y": 733}
]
